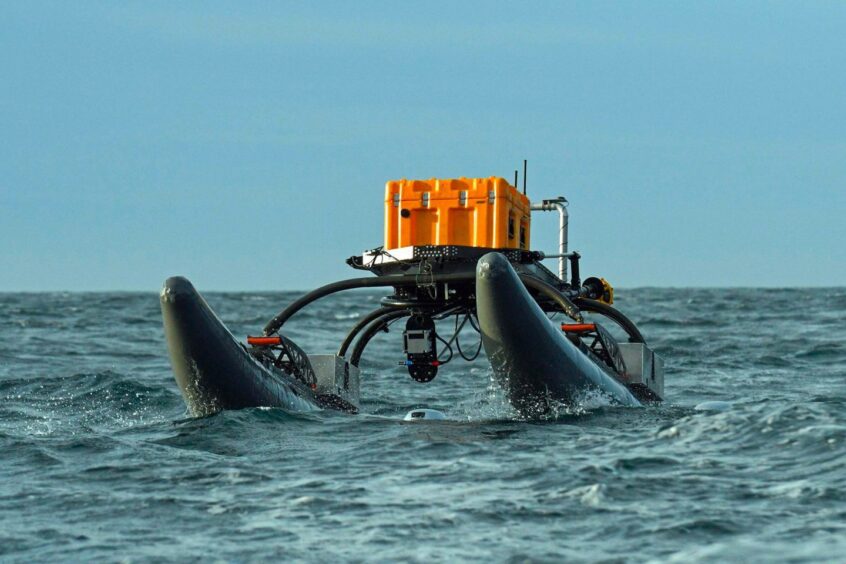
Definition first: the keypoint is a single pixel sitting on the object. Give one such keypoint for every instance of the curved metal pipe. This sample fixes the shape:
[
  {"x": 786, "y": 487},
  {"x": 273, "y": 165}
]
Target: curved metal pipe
[{"x": 559, "y": 204}]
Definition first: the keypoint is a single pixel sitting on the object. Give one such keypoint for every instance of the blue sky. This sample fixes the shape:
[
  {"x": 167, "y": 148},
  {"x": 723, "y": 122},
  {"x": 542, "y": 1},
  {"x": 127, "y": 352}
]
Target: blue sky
[{"x": 246, "y": 145}]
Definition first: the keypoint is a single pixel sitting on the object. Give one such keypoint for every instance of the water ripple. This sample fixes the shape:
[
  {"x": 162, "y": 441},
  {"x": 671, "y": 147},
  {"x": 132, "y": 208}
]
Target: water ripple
[{"x": 745, "y": 461}]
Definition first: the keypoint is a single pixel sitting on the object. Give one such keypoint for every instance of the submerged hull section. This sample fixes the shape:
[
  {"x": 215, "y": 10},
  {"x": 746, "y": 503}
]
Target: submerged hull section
[
  {"x": 213, "y": 370},
  {"x": 530, "y": 357}
]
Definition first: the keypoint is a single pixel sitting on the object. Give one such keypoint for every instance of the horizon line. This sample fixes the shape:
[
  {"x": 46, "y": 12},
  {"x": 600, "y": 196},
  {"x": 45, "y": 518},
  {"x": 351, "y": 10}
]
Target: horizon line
[{"x": 259, "y": 291}]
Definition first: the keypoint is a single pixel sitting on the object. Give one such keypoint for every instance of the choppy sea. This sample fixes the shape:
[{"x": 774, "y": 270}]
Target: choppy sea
[{"x": 745, "y": 461}]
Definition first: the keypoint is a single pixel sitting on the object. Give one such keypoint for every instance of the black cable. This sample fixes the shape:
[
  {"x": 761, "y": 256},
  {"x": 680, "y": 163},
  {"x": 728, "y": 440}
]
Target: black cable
[
  {"x": 458, "y": 327},
  {"x": 448, "y": 347},
  {"x": 475, "y": 354},
  {"x": 447, "y": 312},
  {"x": 475, "y": 324},
  {"x": 478, "y": 348}
]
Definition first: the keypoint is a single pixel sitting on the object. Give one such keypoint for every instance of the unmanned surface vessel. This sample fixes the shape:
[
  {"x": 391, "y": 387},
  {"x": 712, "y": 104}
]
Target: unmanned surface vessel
[{"x": 455, "y": 249}]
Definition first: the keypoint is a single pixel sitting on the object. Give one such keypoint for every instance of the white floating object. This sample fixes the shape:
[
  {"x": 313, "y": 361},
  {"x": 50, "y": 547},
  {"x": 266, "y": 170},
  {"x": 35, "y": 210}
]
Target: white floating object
[
  {"x": 424, "y": 415},
  {"x": 713, "y": 406}
]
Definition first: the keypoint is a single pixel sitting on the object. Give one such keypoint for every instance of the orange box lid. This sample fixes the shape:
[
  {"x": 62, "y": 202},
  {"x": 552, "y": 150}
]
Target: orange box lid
[{"x": 451, "y": 188}]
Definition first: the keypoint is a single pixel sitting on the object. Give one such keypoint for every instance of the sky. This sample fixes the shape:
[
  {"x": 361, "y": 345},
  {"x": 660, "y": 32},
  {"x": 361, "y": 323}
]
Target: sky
[{"x": 246, "y": 145}]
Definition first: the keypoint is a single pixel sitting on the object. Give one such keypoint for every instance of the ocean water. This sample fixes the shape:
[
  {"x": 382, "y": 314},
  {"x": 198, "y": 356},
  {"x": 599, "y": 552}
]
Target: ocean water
[{"x": 745, "y": 461}]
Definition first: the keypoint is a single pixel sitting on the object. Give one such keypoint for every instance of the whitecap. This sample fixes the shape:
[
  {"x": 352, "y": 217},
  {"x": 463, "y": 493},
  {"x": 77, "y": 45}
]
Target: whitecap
[{"x": 713, "y": 406}]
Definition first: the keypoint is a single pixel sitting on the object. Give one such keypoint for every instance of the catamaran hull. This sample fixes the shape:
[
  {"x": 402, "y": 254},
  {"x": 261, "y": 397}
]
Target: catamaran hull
[
  {"x": 530, "y": 357},
  {"x": 213, "y": 370}
]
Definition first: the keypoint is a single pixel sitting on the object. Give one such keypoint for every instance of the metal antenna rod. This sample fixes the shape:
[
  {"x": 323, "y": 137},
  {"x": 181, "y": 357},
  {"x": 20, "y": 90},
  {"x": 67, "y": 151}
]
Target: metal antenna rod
[{"x": 525, "y": 166}]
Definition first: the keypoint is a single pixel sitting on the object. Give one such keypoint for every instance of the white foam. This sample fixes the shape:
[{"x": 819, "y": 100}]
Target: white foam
[{"x": 713, "y": 406}]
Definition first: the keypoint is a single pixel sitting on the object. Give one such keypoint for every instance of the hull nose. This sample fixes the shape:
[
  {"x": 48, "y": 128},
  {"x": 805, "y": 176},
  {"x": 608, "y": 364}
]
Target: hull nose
[
  {"x": 529, "y": 356},
  {"x": 178, "y": 288},
  {"x": 193, "y": 332},
  {"x": 213, "y": 370}
]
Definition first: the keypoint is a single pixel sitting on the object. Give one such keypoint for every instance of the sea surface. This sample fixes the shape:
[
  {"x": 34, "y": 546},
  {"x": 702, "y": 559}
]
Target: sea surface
[{"x": 745, "y": 461}]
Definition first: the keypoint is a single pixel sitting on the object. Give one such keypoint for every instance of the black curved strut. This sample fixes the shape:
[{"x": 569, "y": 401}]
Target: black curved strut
[
  {"x": 360, "y": 325},
  {"x": 376, "y": 320},
  {"x": 530, "y": 281},
  {"x": 550, "y": 291},
  {"x": 635, "y": 336},
  {"x": 372, "y": 282},
  {"x": 374, "y": 327}
]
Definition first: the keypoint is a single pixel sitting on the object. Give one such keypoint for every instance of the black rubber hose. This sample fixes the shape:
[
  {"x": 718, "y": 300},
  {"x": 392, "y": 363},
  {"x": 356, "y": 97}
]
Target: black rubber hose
[
  {"x": 409, "y": 280},
  {"x": 616, "y": 315},
  {"x": 374, "y": 327},
  {"x": 359, "y": 326},
  {"x": 372, "y": 282},
  {"x": 553, "y": 293}
]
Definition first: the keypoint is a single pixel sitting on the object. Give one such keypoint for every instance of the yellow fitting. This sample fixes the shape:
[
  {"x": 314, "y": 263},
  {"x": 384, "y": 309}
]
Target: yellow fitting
[{"x": 607, "y": 292}]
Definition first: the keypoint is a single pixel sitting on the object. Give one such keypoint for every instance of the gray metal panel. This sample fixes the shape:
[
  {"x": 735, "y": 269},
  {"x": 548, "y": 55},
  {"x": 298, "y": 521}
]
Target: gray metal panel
[
  {"x": 643, "y": 366},
  {"x": 336, "y": 376},
  {"x": 657, "y": 374},
  {"x": 418, "y": 341}
]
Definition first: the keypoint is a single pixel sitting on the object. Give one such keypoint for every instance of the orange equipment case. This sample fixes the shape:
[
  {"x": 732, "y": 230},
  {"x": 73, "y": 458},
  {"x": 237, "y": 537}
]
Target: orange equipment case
[{"x": 476, "y": 212}]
